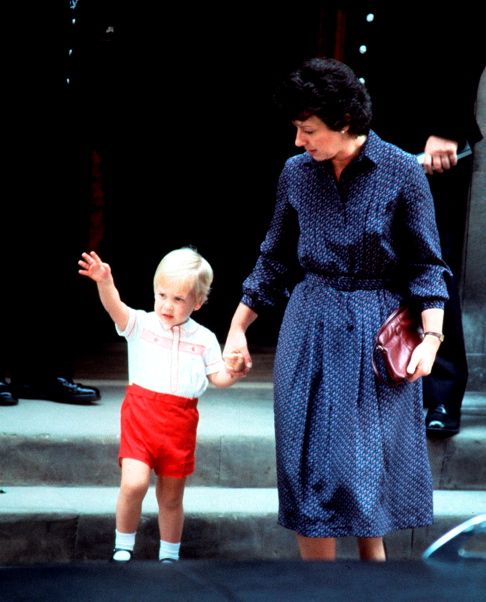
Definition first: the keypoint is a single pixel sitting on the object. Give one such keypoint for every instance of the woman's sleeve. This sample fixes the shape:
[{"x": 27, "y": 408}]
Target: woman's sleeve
[
  {"x": 426, "y": 272},
  {"x": 274, "y": 273}
]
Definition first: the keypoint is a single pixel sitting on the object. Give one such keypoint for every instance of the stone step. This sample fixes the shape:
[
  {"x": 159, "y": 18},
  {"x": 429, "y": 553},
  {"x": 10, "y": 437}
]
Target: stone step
[
  {"x": 224, "y": 580},
  {"x": 63, "y": 524},
  {"x": 49, "y": 443}
]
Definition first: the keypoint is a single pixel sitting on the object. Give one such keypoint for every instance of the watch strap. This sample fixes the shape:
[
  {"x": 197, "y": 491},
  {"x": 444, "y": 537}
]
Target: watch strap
[{"x": 439, "y": 335}]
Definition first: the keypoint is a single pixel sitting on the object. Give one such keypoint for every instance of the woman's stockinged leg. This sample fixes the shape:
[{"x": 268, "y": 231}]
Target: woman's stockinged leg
[
  {"x": 135, "y": 480},
  {"x": 324, "y": 548},
  {"x": 317, "y": 548},
  {"x": 170, "y": 493},
  {"x": 371, "y": 548}
]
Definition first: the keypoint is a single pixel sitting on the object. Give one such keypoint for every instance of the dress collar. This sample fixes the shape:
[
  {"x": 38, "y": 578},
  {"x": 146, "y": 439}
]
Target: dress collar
[
  {"x": 369, "y": 153},
  {"x": 371, "y": 148}
]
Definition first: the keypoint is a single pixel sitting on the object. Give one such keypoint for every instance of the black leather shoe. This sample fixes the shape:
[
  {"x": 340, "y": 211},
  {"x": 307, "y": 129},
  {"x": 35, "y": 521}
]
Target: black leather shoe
[
  {"x": 7, "y": 398},
  {"x": 60, "y": 389},
  {"x": 439, "y": 424}
]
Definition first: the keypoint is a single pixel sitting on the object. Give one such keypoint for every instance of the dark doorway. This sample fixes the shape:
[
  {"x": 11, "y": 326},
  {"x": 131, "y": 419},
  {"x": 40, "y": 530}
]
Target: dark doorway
[{"x": 178, "y": 100}]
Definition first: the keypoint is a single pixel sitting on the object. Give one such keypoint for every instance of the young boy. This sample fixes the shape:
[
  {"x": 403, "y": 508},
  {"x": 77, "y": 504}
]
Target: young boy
[{"x": 170, "y": 360}]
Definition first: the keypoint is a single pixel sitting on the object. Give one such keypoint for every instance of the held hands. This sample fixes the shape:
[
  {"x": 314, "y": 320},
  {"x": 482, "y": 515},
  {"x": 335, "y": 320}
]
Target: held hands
[
  {"x": 234, "y": 362},
  {"x": 236, "y": 355},
  {"x": 234, "y": 369},
  {"x": 92, "y": 267}
]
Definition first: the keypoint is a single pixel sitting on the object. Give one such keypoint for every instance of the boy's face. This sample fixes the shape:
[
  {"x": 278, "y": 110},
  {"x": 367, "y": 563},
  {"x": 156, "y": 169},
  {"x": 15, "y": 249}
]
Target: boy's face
[{"x": 174, "y": 301}]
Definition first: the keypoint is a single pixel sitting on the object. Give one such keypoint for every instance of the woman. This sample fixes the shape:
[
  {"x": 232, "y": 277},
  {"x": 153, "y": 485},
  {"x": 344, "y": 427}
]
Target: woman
[{"x": 355, "y": 216}]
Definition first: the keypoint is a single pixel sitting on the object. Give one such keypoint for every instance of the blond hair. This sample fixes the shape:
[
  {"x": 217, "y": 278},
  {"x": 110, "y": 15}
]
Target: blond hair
[{"x": 186, "y": 265}]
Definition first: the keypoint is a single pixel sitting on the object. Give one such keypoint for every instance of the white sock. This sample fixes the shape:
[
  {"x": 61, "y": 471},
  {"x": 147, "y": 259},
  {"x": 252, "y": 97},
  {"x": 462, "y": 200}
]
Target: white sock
[
  {"x": 124, "y": 542},
  {"x": 169, "y": 550}
]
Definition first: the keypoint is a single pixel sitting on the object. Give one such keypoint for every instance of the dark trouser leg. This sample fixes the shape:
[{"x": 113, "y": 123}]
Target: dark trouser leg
[{"x": 447, "y": 383}]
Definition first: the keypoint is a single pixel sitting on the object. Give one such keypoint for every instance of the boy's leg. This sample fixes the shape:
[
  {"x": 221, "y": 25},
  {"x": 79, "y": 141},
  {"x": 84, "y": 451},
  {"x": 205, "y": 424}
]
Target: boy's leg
[
  {"x": 170, "y": 493},
  {"x": 135, "y": 479}
]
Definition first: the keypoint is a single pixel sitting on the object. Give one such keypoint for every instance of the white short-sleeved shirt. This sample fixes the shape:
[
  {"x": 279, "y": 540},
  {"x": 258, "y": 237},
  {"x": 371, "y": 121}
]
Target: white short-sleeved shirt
[{"x": 173, "y": 360}]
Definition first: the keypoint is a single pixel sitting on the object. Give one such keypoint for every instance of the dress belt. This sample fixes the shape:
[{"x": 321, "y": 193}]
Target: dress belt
[{"x": 348, "y": 282}]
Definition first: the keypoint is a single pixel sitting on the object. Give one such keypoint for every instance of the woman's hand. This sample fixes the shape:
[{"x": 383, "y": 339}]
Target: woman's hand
[
  {"x": 423, "y": 358},
  {"x": 235, "y": 353},
  {"x": 423, "y": 355},
  {"x": 234, "y": 362},
  {"x": 236, "y": 344}
]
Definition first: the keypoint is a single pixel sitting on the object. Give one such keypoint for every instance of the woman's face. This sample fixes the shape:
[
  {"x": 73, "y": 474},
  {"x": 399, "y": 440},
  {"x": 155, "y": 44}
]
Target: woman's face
[{"x": 317, "y": 139}]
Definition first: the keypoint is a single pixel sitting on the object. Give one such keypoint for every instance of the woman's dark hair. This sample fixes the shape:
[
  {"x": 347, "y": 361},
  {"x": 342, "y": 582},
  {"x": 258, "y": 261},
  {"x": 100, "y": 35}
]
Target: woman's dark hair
[{"x": 328, "y": 89}]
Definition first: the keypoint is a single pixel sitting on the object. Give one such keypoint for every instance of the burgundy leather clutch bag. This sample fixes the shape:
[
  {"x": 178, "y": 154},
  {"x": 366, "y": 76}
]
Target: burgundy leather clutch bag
[{"x": 397, "y": 338}]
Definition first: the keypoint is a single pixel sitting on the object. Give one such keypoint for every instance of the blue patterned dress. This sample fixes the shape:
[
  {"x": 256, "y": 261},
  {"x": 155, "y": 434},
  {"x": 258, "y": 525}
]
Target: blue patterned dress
[{"x": 351, "y": 450}]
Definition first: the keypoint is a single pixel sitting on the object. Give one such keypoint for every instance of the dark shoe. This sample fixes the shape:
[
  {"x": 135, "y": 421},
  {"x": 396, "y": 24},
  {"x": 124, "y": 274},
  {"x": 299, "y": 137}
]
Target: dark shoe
[
  {"x": 7, "y": 398},
  {"x": 121, "y": 556},
  {"x": 60, "y": 389},
  {"x": 439, "y": 423}
]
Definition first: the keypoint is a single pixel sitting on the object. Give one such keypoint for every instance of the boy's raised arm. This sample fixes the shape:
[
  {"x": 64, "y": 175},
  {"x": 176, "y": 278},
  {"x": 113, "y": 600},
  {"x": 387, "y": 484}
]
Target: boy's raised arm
[{"x": 92, "y": 267}]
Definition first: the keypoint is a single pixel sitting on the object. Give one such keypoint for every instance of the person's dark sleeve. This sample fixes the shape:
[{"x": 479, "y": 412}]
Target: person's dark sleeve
[
  {"x": 274, "y": 273},
  {"x": 419, "y": 245}
]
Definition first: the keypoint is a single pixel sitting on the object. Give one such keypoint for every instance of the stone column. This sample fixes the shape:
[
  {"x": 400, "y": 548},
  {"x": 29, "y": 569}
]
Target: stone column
[{"x": 474, "y": 285}]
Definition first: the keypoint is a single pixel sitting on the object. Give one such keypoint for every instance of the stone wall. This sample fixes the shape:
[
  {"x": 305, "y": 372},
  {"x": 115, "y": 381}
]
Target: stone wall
[{"x": 474, "y": 284}]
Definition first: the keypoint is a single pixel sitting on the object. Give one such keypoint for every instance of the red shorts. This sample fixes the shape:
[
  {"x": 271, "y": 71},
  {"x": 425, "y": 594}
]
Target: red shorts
[{"x": 160, "y": 430}]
